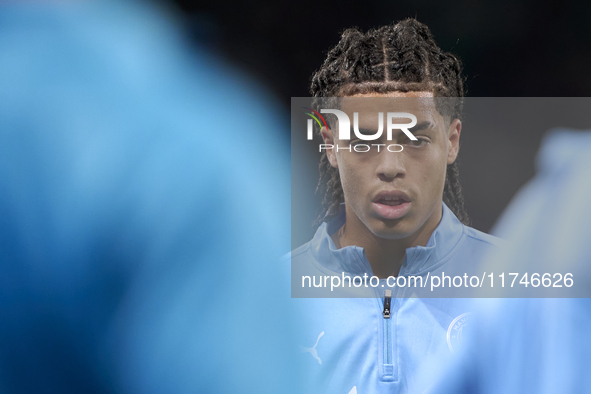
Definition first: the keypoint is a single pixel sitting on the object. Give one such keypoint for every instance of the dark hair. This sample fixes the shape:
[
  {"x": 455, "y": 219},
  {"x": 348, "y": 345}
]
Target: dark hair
[{"x": 399, "y": 57}]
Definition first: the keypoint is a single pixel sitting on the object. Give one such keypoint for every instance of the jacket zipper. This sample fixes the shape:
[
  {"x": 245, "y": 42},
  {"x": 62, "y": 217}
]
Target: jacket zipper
[
  {"x": 387, "y": 322},
  {"x": 387, "y": 304}
]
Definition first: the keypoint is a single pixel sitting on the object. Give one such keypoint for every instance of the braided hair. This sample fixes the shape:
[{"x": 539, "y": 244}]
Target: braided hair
[{"x": 399, "y": 57}]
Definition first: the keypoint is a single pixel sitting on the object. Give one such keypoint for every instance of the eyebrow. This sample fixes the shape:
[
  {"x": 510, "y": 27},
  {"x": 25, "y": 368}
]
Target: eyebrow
[
  {"x": 422, "y": 126},
  {"x": 365, "y": 131}
]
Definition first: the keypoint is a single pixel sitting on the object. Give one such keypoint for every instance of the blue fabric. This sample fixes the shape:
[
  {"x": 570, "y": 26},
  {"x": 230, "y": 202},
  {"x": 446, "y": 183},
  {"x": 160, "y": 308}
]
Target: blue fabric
[
  {"x": 538, "y": 345},
  {"x": 360, "y": 348},
  {"x": 144, "y": 202}
]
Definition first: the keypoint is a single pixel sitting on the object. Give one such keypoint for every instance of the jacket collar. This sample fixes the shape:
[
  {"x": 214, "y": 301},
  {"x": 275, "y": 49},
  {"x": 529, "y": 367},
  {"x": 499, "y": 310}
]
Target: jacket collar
[{"x": 419, "y": 259}]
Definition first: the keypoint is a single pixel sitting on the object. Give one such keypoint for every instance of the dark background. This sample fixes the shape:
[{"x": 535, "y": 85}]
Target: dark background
[{"x": 519, "y": 49}]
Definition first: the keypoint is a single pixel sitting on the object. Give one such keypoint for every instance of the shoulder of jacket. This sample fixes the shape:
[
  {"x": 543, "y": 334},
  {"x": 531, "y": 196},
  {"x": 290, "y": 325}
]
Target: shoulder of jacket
[
  {"x": 289, "y": 256},
  {"x": 479, "y": 236}
]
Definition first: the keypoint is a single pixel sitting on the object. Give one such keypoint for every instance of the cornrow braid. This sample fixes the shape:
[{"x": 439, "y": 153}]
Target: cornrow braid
[{"x": 400, "y": 57}]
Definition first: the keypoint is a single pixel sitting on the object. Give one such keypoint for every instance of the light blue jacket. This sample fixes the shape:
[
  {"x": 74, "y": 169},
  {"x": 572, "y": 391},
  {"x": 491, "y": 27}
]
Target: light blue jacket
[{"x": 348, "y": 346}]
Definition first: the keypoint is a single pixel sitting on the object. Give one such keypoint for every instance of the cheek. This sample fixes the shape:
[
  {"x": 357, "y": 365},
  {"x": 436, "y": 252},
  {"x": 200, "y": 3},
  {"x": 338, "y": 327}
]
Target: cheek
[
  {"x": 430, "y": 171},
  {"x": 437, "y": 175},
  {"x": 352, "y": 177}
]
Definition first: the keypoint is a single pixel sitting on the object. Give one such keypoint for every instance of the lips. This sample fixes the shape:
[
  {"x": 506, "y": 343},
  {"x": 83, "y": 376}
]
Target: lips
[{"x": 391, "y": 204}]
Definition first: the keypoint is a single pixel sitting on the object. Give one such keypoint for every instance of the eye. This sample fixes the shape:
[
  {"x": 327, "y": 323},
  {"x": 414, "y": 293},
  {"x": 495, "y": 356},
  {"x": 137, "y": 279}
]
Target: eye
[{"x": 418, "y": 143}]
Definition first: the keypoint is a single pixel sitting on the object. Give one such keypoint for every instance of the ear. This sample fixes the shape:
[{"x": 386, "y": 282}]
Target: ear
[
  {"x": 453, "y": 135},
  {"x": 330, "y": 153}
]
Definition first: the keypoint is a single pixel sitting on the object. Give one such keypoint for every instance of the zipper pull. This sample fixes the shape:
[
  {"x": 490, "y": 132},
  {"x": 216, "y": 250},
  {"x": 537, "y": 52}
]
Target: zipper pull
[{"x": 387, "y": 302}]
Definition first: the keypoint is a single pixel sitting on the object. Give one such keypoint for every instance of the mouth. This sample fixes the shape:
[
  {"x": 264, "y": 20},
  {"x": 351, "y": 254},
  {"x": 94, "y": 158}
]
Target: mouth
[
  {"x": 391, "y": 201},
  {"x": 391, "y": 204}
]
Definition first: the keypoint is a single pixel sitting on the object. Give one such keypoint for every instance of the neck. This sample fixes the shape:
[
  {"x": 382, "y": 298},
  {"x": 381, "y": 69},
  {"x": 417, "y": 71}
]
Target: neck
[{"x": 385, "y": 256}]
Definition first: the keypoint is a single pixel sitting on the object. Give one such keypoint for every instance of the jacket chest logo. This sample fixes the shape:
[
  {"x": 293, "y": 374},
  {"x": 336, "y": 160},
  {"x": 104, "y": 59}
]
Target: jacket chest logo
[{"x": 456, "y": 331}]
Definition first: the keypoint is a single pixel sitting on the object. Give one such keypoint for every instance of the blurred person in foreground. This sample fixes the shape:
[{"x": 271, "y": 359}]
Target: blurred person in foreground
[
  {"x": 537, "y": 345},
  {"x": 143, "y": 203}
]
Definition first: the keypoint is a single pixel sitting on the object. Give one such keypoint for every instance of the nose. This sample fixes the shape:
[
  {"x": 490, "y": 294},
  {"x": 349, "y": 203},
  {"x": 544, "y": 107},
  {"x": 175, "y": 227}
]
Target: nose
[{"x": 390, "y": 166}]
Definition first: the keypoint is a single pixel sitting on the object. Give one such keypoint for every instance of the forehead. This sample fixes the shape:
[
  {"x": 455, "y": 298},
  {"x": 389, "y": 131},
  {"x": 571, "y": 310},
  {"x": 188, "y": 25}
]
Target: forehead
[
  {"x": 396, "y": 94},
  {"x": 421, "y": 103}
]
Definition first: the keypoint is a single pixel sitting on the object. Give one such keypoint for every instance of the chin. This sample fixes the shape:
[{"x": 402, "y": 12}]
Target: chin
[{"x": 392, "y": 229}]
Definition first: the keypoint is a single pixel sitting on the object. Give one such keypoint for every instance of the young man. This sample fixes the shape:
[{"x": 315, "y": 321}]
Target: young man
[{"x": 395, "y": 213}]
